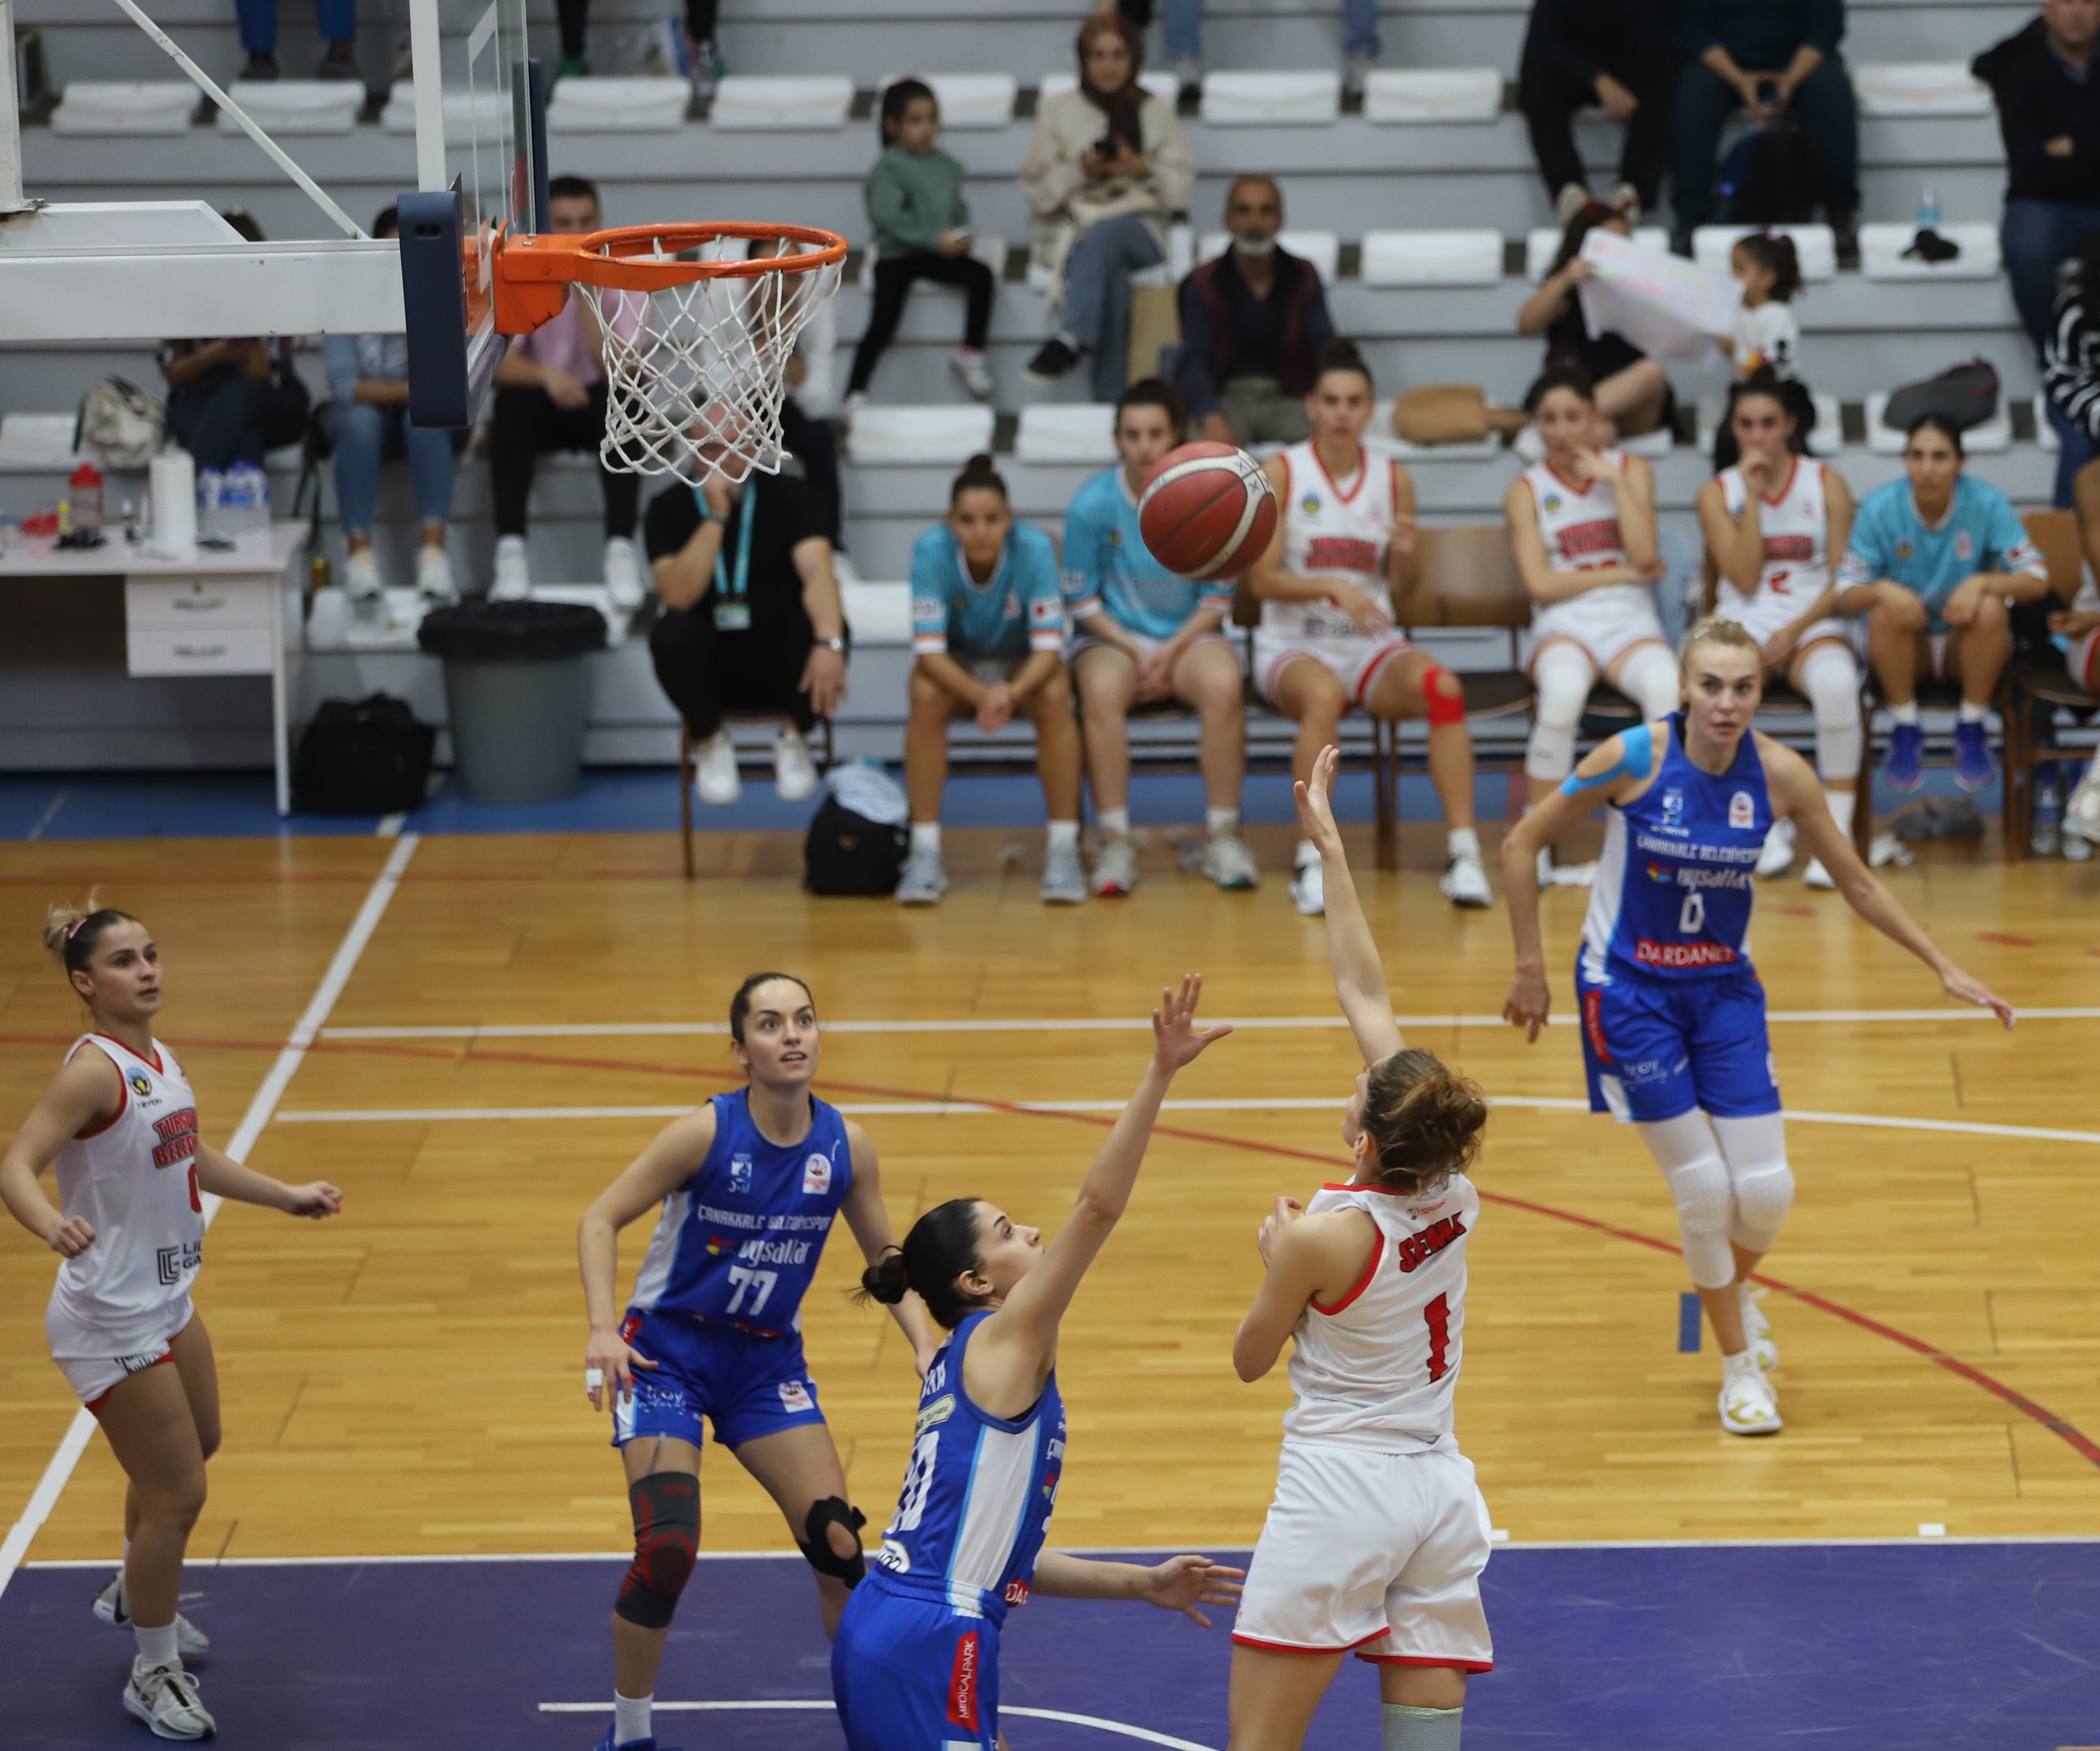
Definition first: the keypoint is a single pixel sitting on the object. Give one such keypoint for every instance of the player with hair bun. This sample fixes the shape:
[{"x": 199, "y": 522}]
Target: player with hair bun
[{"x": 119, "y": 1123}]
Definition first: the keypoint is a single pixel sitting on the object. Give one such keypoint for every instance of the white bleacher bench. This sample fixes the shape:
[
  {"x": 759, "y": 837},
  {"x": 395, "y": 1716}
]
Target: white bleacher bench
[
  {"x": 399, "y": 116},
  {"x": 1394, "y": 258},
  {"x": 1160, "y": 83},
  {"x": 1542, "y": 245},
  {"x": 967, "y": 100},
  {"x": 1323, "y": 249},
  {"x": 1712, "y": 246},
  {"x": 1993, "y": 438},
  {"x": 1825, "y": 439},
  {"x": 878, "y": 612},
  {"x": 752, "y": 102},
  {"x": 162, "y": 106},
  {"x": 296, "y": 106},
  {"x": 1412, "y": 94},
  {"x": 1881, "y": 257},
  {"x": 1300, "y": 97},
  {"x": 1655, "y": 445},
  {"x": 1887, "y": 89},
  {"x": 1067, "y": 431},
  {"x": 897, "y": 437},
  {"x": 583, "y": 104}
]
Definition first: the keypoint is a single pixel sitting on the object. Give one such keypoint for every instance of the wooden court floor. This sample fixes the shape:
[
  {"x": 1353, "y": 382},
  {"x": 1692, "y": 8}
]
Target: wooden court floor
[{"x": 406, "y": 1379}]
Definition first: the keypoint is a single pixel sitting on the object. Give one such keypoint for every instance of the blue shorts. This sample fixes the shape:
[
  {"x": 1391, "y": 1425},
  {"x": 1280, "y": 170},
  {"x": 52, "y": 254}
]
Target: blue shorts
[
  {"x": 747, "y": 1385},
  {"x": 913, "y": 1674},
  {"x": 1655, "y": 1049}
]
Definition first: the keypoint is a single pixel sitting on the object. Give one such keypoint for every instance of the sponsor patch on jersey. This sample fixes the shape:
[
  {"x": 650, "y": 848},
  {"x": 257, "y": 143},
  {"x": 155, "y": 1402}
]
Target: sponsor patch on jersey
[
  {"x": 1012, "y": 610},
  {"x": 1649, "y": 953},
  {"x": 740, "y": 1174},
  {"x": 1016, "y": 1593},
  {"x": 795, "y": 1396},
  {"x": 816, "y": 1176},
  {"x": 141, "y": 1084},
  {"x": 1593, "y": 1024},
  {"x": 962, "y": 1682},
  {"x": 1660, "y": 872},
  {"x": 1046, "y": 611},
  {"x": 894, "y": 1557},
  {"x": 172, "y": 1264},
  {"x": 934, "y": 1414},
  {"x": 1743, "y": 812},
  {"x": 1672, "y": 808},
  {"x": 1965, "y": 548}
]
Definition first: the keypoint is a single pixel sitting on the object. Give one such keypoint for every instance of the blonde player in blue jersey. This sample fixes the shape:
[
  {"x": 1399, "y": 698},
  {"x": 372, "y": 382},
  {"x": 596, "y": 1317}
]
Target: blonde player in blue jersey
[
  {"x": 1142, "y": 636},
  {"x": 1672, "y": 1011},
  {"x": 747, "y": 1188},
  {"x": 915, "y": 1666}
]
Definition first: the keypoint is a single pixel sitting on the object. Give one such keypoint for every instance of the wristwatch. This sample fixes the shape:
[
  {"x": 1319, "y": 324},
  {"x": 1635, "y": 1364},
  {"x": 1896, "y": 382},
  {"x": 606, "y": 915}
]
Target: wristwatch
[{"x": 837, "y": 646}]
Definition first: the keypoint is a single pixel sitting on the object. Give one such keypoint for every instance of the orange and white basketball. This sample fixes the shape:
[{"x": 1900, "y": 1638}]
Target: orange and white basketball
[{"x": 1207, "y": 510}]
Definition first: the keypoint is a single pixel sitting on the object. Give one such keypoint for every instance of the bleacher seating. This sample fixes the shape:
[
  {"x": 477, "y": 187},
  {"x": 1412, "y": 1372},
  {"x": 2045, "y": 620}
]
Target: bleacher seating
[
  {"x": 1542, "y": 243},
  {"x": 132, "y": 107},
  {"x": 1323, "y": 249},
  {"x": 1404, "y": 258},
  {"x": 1919, "y": 88},
  {"x": 1082, "y": 431},
  {"x": 587, "y": 105},
  {"x": 761, "y": 103},
  {"x": 967, "y": 100},
  {"x": 302, "y": 107},
  {"x": 1303, "y": 97},
  {"x": 1882, "y": 256},
  {"x": 1816, "y": 245},
  {"x": 895, "y": 437},
  {"x": 1160, "y": 83},
  {"x": 1410, "y": 94}
]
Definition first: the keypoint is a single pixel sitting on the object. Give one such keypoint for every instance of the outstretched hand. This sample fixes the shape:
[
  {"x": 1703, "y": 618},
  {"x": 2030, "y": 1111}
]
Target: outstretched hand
[
  {"x": 1315, "y": 812},
  {"x": 1177, "y": 1042},
  {"x": 1181, "y": 1583},
  {"x": 1970, "y": 989}
]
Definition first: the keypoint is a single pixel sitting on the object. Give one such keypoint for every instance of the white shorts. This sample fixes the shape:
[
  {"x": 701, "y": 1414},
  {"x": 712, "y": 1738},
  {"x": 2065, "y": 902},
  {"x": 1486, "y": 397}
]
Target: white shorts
[
  {"x": 1356, "y": 663},
  {"x": 1380, "y": 1553},
  {"x": 1604, "y": 624},
  {"x": 91, "y": 1367},
  {"x": 1764, "y": 615}
]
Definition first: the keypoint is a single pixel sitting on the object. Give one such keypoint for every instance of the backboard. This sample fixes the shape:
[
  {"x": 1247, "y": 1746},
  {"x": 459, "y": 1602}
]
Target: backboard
[{"x": 481, "y": 168}]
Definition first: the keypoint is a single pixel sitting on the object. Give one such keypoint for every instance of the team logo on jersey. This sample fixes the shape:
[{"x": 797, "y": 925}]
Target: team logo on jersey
[
  {"x": 1743, "y": 812},
  {"x": 1431, "y": 1241},
  {"x": 1660, "y": 872},
  {"x": 934, "y": 1414},
  {"x": 1551, "y": 503},
  {"x": 740, "y": 1174},
  {"x": 1013, "y": 604},
  {"x": 1965, "y": 548},
  {"x": 816, "y": 1176},
  {"x": 1672, "y": 808},
  {"x": 894, "y": 1557},
  {"x": 1050, "y": 1487},
  {"x": 1016, "y": 1593},
  {"x": 1310, "y": 506},
  {"x": 141, "y": 1083},
  {"x": 795, "y": 1396},
  {"x": 1903, "y": 549},
  {"x": 1115, "y": 537}
]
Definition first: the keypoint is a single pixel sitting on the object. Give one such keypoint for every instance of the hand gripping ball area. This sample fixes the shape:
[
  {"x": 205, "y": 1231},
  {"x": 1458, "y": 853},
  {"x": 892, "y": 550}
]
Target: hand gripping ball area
[{"x": 1207, "y": 510}]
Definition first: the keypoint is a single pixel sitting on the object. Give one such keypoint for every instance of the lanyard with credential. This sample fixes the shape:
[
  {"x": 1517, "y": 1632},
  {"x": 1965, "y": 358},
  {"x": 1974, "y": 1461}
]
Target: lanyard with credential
[{"x": 733, "y": 607}]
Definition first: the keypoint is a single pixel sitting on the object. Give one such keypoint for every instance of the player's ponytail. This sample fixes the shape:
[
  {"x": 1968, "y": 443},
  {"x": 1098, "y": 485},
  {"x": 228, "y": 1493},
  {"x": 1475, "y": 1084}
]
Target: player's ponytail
[
  {"x": 72, "y": 933},
  {"x": 1424, "y": 1121},
  {"x": 941, "y": 1247},
  {"x": 978, "y": 475}
]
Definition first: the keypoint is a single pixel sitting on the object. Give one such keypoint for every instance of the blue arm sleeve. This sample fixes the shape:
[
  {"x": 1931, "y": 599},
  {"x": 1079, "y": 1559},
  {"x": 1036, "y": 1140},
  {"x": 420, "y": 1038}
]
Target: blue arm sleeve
[{"x": 1637, "y": 760}]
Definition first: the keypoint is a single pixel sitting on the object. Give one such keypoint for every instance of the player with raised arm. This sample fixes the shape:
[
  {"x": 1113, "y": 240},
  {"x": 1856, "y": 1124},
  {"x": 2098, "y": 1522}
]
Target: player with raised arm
[
  {"x": 915, "y": 1666},
  {"x": 119, "y": 1122},
  {"x": 1673, "y": 1013},
  {"x": 1374, "y": 1542},
  {"x": 746, "y": 1189}
]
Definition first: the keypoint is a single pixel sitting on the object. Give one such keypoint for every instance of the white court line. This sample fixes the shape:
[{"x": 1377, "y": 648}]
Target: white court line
[
  {"x": 1112, "y": 1024},
  {"x": 1117, "y": 1727},
  {"x": 45, "y": 1497}
]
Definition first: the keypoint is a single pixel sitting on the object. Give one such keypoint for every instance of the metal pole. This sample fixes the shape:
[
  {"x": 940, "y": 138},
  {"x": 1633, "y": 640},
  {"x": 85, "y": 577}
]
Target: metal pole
[
  {"x": 11, "y": 117},
  {"x": 425, "y": 57}
]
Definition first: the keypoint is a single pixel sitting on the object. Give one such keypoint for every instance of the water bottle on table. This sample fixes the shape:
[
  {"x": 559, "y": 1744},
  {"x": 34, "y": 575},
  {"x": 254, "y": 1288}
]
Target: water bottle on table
[{"x": 2048, "y": 812}]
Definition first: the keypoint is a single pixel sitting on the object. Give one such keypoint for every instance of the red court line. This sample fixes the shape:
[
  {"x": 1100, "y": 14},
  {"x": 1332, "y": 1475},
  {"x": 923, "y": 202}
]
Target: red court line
[{"x": 2067, "y": 1432}]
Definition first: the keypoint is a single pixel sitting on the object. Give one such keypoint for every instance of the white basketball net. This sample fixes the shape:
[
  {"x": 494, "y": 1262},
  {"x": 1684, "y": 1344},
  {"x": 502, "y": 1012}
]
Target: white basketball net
[{"x": 695, "y": 373}]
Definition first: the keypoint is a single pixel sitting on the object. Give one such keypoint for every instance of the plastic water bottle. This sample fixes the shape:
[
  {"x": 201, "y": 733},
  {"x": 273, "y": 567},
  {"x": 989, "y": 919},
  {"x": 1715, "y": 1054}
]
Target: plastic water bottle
[
  {"x": 241, "y": 500},
  {"x": 211, "y": 501},
  {"x": 2049, "y": 813},
  {"x": 261, "y": 499},
  {"x": 1927, "y": 211}
]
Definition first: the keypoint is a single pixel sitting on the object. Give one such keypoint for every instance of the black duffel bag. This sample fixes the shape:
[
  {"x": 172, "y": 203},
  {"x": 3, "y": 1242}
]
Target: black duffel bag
[
  {"x": 363, "y": 756},
  {"x": 1967, "y": 393},
  {"x": 848, "y": 852}
]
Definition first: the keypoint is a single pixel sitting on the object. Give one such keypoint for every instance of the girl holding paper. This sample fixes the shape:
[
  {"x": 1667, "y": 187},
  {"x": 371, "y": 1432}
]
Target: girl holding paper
[{"x": 1632, "y": 394}]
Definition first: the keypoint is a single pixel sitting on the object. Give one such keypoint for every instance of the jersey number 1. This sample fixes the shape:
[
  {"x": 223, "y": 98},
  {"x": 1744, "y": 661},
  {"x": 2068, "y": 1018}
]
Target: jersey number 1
[{"x": 1437, "y": 1316}]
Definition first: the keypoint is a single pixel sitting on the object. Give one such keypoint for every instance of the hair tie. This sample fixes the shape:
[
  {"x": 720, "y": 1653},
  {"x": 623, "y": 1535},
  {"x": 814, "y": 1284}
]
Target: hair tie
[
  {"x": 73, "y": 929},
  {"x": 903, "y": 1276}
]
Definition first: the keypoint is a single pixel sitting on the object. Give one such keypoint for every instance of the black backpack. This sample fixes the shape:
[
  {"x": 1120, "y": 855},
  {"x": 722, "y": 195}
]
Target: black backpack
[
  {"x": 846, "y": 853},
  {"x": 363, "y": 756},
  {"x": 1967, "y": 393},
  {"x": 1769, "y": 177}
]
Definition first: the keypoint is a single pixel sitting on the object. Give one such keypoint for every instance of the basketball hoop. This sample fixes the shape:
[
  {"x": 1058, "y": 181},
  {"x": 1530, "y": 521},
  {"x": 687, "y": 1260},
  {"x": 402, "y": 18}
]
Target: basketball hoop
[{"x": 696, "y": 351}]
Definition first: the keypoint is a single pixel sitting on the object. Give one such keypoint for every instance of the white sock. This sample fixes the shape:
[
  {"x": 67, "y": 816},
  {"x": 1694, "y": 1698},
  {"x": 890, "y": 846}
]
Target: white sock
[
  {"x": 1064, "y": 833},
  {"x": 926, "y": 836},
  {"x": 968, "y": 353},
  {"x": 631, "y": 1717},
  {"x": 1115, "y": 821},
  {"x": 1462, "y": 841},
  {"x": 156, "y": 1647},
  {"x": 1217, "y": 820},
  {"x": 1841, "y": 808},
  {"x": 1306, "y": 852},
  {"x": 1971, "y": 714},
  {"x": 1906, "y": 713}
]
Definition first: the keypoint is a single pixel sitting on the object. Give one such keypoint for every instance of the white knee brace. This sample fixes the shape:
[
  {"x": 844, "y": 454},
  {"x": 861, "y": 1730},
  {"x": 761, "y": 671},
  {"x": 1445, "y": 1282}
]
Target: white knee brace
[
  {"x": 1684, "y": 1148},
  {"x": 1756, "y": 1152},
  {"x": 1563, "y": 676},
  {"x": 1830, "y": 677},
  {"x": 1650, "y": 679}
]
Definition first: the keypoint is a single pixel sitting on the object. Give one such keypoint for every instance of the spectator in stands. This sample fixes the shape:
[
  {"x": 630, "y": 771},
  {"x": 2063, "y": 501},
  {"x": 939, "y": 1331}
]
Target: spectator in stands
[
  {"x": 987, "y": 628},
  {"x": 368, "y": 422},
  {"x": 233, "y": 401},
  {"x": 2049, "y": 115},
  {"x": 1614, "y": 53},
  {"x": 1107, "y": 168},
  {"x": 914, "y": 198},
  {"x": 1767, "y": 341},
  {"x": 1253, "y": 322},
  {"x": 338, "y": 20},
  {"x": 551, "y": 395},
  {"x": 1144, "y": 636},
  {"x": 2070, "y": 372},
  {"x": 2075, "y": 631},
  {"x": 1631, "y": 390},
  {"x": 812, "y": 400},
  {"x": 1184, "y": 40},
  {"x": 1933, "y": 562},
  {"x": 1772, "y": 57},
  {"x": 695, "y": 51},
  {"x": 752, "y": 620}
]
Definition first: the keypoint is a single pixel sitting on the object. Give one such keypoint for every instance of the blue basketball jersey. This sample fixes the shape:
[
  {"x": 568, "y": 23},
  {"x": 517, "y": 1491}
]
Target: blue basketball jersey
[
  {"x": 977, "y": 1493},
  {"x": 1672, "y": 894},
  {"x": 739, "y": 1241}
]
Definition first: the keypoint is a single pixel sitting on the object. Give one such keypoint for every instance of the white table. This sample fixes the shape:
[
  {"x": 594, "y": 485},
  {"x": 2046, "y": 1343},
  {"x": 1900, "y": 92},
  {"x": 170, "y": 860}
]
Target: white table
[{"x": 206, "y": 614}]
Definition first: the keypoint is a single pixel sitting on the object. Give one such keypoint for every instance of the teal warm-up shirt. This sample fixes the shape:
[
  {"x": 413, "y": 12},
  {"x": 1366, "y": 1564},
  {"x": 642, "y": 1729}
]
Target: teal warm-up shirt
[
  {"x": 1108, "y": 567},
  {"x": 1018, "y": 611},
  {"x": 1981, "y": 532}
]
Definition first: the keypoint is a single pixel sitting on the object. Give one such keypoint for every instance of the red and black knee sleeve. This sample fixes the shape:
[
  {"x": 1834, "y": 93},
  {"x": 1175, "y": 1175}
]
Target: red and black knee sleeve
[
  {"x": 666, "y": 1508},
  {"x": 1446, "y": 694}
]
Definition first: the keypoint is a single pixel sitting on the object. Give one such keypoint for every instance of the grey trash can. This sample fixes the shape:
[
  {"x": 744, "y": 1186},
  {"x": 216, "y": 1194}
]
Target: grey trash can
[{"x": 516, "y": 691}]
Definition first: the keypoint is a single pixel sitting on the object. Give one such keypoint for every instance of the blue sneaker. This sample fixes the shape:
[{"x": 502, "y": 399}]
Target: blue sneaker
[
  {"x": 1974, "y": 768},
  {"x": 1904, "y": 769},
  {"x": 632, "y": 1744}
]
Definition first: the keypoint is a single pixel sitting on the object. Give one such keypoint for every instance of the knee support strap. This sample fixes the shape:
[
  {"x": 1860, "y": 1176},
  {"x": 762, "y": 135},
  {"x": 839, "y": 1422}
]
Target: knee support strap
[
  {"x": 1446, "y": 694},
  {"x": 815, "y": 1544},
  {"x": 666, "y": 1506}
]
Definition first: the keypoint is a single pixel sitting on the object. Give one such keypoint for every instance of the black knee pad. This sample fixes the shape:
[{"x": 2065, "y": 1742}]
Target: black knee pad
[
  {"x": 666, "y": 1508},
  {"x": 816, "y": 1546}
]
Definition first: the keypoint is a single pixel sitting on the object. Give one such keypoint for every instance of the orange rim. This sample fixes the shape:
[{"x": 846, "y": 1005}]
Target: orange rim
[{"x": 534, "y": 271}]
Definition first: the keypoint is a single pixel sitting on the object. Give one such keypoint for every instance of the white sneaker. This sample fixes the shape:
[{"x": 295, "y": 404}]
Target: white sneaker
[
  {"x": 1063, "y": 881},
  {"x": 2081, "y": 818},
  {"x": 1749, "y": 1406},
  {"x": 925, "y": 880},
  {"x": 1308, "y": 889},
  {"x": 970, "y": 370},
  {"x": 716, "y": 780},
  {"x": 1465, "y": 882},
  {"x": 1116, "y": 870},
  {"x": 111, "y": 1607},
  {"x": 794, "y": 773},
  {"x": 361, "y": 579},
  {"x": 2074, "y": 850},
  {"x": 1779, "y": 852},
  {"x": 165, "y": 1697},
  {"x": 1763, "y": 1347},
  {"x": 513, "y": 578},
  {"x": 623, "y": 573},
  {"x": 1816, "y": 876},
  {"x": 434, "y": 579},
  {"x": 1228, "y": 862}
]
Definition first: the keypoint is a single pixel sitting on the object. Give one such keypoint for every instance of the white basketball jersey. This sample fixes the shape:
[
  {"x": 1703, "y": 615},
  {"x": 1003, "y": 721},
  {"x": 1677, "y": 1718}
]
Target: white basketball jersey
[
  {"x": 134, "y": 1178},
  {"x": 1332, "y": 528},
  {"x": 1797, "y": 529},
  {"x": 1378, "y": 1368}
]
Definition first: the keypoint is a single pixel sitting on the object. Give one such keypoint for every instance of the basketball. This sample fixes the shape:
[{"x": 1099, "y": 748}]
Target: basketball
[{"x": 1207, "y": 510}]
